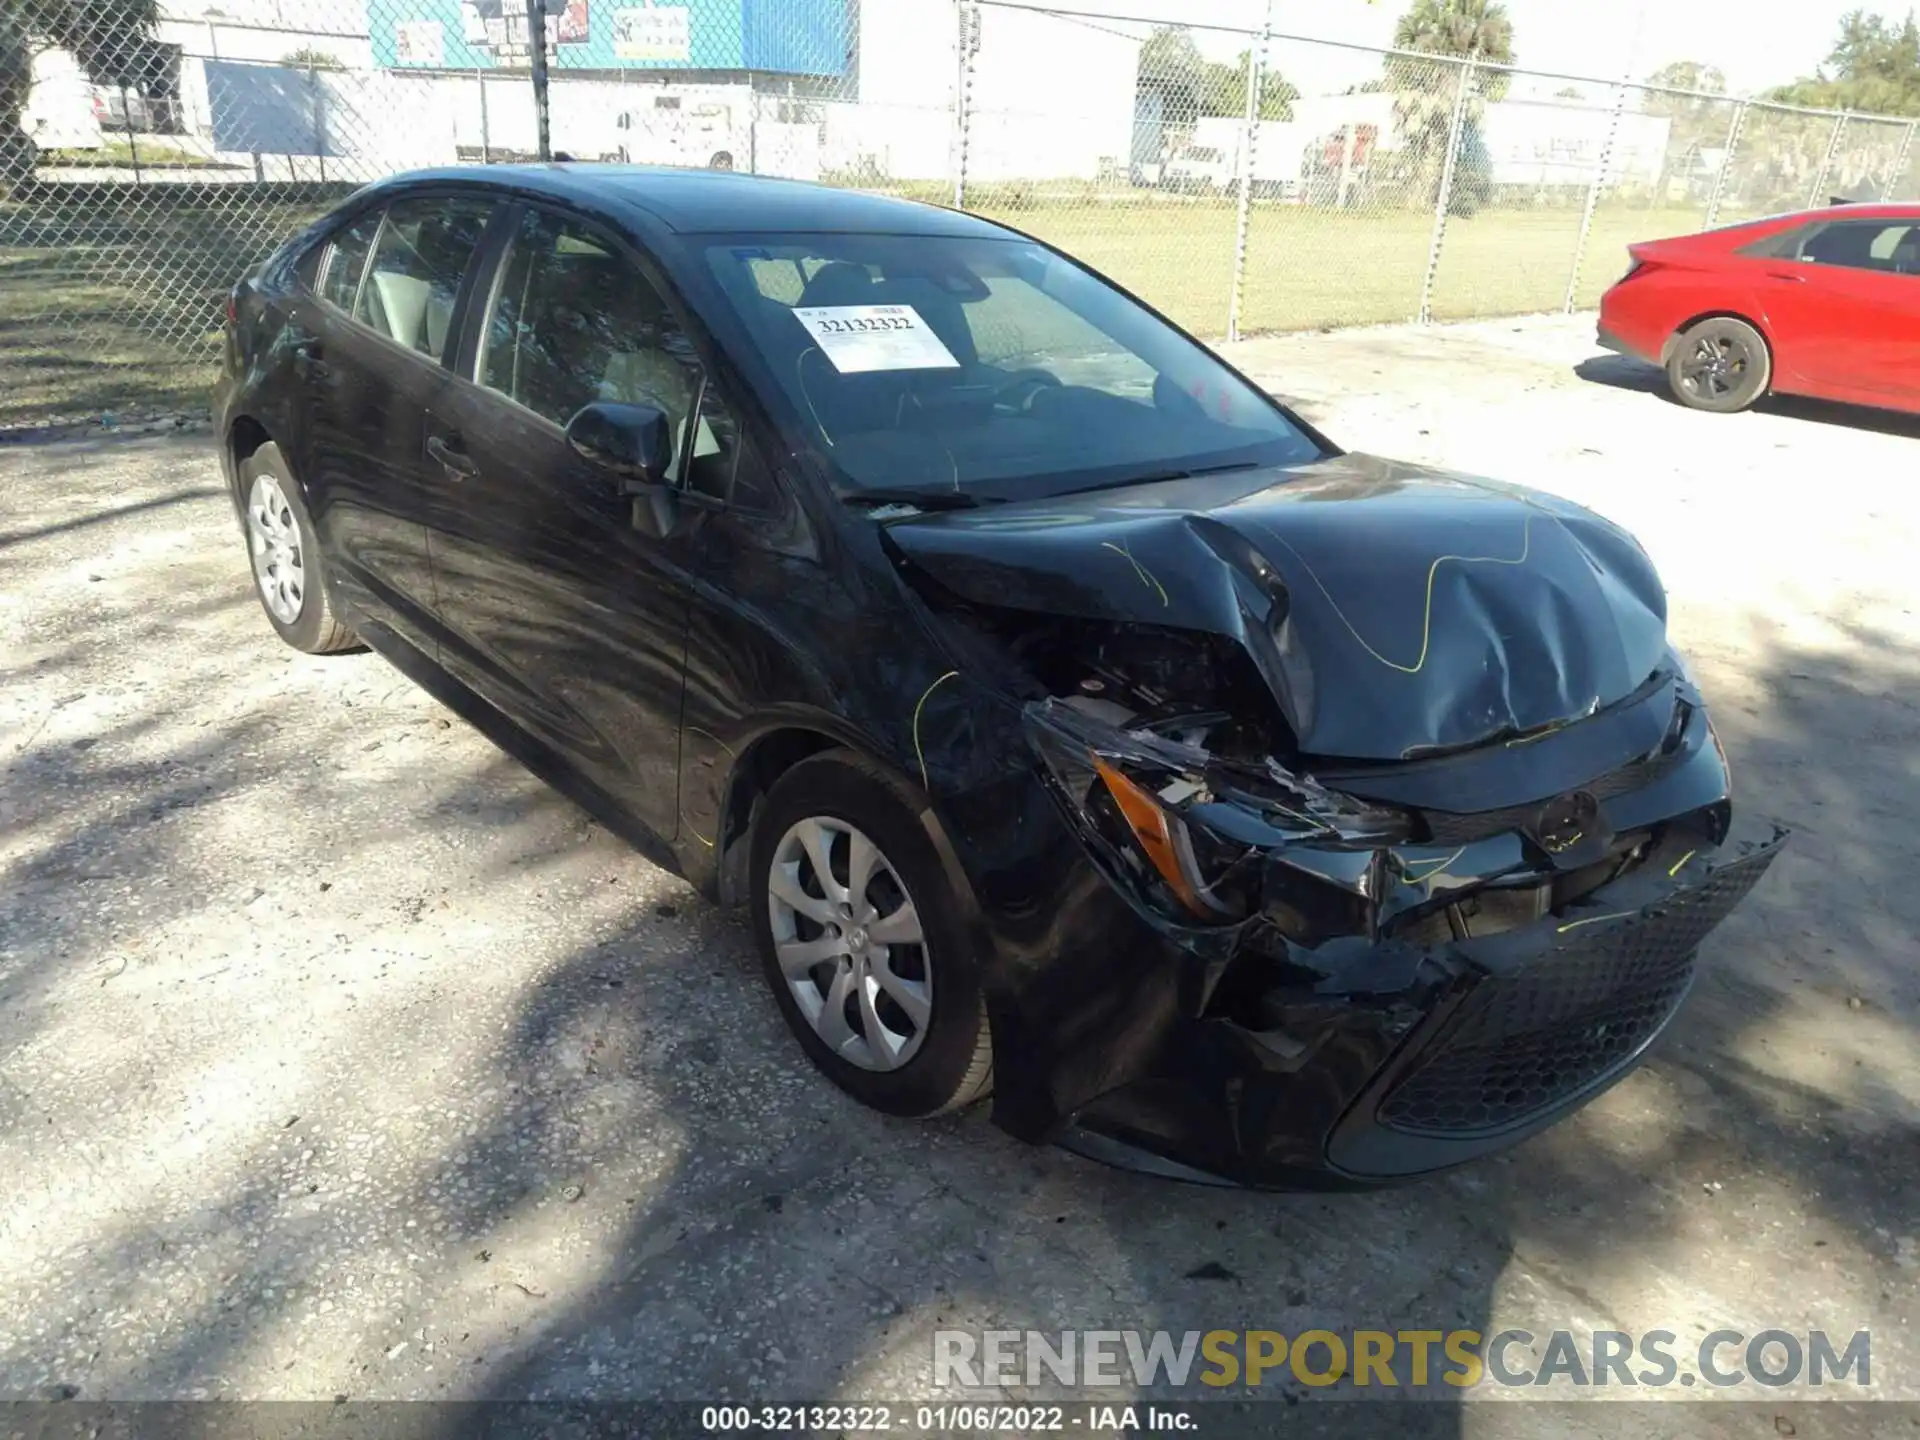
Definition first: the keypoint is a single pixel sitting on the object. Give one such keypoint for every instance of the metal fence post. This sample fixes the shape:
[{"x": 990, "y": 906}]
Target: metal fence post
[
  {"x": 1445, "y": 197},
  {"x": 126, "y": 116},
  {"x": 1900, "y": 160},
  {"x": 537, "y": 63},
  {"x": 1593, "y": 194},
  {"x": 1249, "y": 141},
  {"x": 753, "y": 127},
  {"x": 967, "y": 16},
  {"x": 1726, "y": 163},
  {"x": 1826, "y": 160},
  {"x": 319, "y": 96},
  {"x": 486, "y": 129}
]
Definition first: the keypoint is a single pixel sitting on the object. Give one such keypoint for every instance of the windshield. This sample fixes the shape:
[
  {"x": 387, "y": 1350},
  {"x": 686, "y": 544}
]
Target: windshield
[{"x": 992, "y": 367}]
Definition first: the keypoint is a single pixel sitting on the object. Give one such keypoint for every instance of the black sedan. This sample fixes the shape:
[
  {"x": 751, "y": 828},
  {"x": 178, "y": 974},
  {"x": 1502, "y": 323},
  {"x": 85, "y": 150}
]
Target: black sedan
[{"x": 1077, "y": 723}]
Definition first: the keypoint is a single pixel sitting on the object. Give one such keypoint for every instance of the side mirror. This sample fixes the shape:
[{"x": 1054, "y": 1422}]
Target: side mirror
[{"x": 634, "y": 442}]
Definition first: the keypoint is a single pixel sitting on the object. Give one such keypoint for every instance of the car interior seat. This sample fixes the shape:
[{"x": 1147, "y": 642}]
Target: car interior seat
[
  {"x": 1850, "y": 245},
  {"x": 593, "y": 335},
  {"x": 877, "y": 400},
  {"x": 1906, "y": 255}
]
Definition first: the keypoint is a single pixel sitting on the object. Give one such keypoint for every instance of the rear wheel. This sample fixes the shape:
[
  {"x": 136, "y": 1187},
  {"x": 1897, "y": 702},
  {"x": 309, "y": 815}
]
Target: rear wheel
[
  {"x": 861, "y": 941},
  {"x": 288, "y": 574},
  {"x": 1719, "y": 364}
]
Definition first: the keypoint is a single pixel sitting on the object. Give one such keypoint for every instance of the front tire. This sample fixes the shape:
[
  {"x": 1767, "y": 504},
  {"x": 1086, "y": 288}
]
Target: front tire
[
  {"x": 289, "y": 576},
  {"x": 861, "y": 940},
  {"x": 1720, "y": 365}
]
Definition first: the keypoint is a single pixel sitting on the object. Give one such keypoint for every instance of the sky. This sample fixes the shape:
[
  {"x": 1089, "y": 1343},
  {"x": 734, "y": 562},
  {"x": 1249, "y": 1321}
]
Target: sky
[{"x": 1755, "y": 43}]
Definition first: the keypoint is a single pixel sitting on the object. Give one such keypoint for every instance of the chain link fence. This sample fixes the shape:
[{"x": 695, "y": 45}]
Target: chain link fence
[{"x": 1243, "y": 181}]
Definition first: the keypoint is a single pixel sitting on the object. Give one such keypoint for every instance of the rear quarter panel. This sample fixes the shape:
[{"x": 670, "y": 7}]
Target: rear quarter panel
[
  {"x": 1687, "y": 278},
  {"x": 1649, "y": 308}
]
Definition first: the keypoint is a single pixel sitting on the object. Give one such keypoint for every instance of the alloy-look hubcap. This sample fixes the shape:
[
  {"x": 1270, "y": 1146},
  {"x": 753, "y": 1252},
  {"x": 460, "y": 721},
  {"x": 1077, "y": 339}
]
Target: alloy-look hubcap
[
  {"x": 1716, "y": 366},
  {"x": 273, "y": 537},
  {"x": 849, "y": 944}
]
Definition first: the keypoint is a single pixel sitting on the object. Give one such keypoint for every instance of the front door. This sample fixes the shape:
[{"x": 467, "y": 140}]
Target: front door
[
  {"x": 1845, "y": 313},
  {"x": 553, "y": 607}
]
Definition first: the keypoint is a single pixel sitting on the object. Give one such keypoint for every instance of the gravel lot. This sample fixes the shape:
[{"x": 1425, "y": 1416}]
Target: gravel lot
[{"x": 340, "y": 1057}]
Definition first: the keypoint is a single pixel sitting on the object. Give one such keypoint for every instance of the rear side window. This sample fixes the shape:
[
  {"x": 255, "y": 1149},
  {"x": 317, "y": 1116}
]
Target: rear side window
[
  {"x": 306, "y": 270},
  {"x": 347, "y": 260},
  {"x": 1865, "y": 245},
  {"x": 423, "y": 250}
]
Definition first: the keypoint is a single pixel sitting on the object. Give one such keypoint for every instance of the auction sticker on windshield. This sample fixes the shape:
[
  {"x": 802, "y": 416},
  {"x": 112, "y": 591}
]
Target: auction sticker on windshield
[{"x": 857, "y": 338}]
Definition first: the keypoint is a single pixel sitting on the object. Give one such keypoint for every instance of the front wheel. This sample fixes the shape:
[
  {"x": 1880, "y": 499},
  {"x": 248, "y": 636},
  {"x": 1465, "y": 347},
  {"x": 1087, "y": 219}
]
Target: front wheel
[
  {"x": 861, "y": 941},
  {"x": 1719, "y": 364}
]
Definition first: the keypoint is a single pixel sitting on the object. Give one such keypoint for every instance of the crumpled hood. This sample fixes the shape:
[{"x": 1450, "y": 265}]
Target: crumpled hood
[{"x": 1392, "y": 609}]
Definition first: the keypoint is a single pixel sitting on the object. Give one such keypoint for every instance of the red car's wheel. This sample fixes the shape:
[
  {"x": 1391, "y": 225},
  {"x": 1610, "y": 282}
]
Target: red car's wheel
[{"x": 1719, "y": 364}]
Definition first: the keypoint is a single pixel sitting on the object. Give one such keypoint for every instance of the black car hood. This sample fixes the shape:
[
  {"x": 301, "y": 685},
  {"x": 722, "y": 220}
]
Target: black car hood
[{"x": 1394, "y": 610}]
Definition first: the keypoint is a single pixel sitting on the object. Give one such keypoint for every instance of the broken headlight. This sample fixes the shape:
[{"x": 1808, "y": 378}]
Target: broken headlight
[{"x": 1190, "y": 830}]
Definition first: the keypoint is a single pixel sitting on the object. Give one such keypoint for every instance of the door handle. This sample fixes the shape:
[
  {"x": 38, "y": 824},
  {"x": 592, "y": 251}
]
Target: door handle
[
  {"x": 453, "y": 459},
  {"x": 1787, "y": 275}
]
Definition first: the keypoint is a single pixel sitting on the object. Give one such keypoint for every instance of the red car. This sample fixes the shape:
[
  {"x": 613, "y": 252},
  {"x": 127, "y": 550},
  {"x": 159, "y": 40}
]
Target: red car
[{"x": 1823, "y": 303}]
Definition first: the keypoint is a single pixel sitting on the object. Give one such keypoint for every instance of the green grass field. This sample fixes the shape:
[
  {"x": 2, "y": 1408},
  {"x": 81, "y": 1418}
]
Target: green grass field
[
  {"x": 115, "y": 314},
  {"x": 1310, "y": 269}
]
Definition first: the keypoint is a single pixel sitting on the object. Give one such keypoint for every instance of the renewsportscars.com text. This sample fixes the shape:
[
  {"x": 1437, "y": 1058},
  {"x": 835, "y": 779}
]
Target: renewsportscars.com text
[{"x": 1399, "y": 1358}]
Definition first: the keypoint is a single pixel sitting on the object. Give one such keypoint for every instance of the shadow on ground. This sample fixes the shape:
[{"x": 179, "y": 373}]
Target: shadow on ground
[{"x": 1623, "y": 372}]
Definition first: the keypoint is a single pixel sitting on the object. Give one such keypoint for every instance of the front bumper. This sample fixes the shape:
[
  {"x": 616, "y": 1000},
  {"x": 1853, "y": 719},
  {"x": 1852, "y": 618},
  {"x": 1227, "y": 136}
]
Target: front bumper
[
  {"x": 1489, "y": 1041},
  {"x": 1387, "y": 1012}
]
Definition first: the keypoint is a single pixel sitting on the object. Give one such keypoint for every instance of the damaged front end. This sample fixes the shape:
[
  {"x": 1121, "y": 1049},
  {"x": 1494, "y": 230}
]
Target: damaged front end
[
  {"x": 1371, "y": 988},
  {"x": 1377, "y": 827}
]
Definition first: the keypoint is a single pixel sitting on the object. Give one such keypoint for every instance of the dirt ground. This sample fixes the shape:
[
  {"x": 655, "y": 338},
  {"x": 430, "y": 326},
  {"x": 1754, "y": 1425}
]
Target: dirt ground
[{"x": 340, "y": 1057}]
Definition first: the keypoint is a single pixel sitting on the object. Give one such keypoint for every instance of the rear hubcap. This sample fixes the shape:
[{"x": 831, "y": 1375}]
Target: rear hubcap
[
  {"x": 273, "y": 539},
  {"x": 1717, "y": 366}
]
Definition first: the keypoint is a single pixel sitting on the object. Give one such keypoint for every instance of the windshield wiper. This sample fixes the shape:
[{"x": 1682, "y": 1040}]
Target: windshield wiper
[{"x": 919, "y": 499}]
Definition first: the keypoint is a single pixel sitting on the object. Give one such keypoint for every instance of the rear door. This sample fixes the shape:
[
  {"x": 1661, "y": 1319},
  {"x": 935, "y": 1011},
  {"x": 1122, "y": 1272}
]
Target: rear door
[
  {"x": 1844, "y": 309},
  {"x": 555, "y": 608},
  {"x": 370, "y": 352}
]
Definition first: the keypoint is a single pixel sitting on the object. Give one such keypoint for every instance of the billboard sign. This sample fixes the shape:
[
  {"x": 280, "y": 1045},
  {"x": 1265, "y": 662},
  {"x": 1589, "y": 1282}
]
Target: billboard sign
[
  {"x": 657, "y": 33},
  {"x": 779, "y": 37}
]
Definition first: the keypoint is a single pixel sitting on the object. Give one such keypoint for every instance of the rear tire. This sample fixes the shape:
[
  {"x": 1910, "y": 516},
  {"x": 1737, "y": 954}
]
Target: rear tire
[
  {"x": 1720, "y": 364},
  {"x": 896, "y": 1019},
  {"x": 290, "y": 578}
]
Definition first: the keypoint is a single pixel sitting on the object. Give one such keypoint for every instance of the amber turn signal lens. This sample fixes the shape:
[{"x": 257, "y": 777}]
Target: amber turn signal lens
[{"x": 1149, "y": 825}]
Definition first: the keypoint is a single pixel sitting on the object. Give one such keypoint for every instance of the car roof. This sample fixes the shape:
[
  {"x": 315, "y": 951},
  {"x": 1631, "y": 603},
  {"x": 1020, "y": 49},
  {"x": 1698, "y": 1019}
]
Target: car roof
[
  {"x": 699, "y": 201},
  {"x": 1858, "y": 210}
]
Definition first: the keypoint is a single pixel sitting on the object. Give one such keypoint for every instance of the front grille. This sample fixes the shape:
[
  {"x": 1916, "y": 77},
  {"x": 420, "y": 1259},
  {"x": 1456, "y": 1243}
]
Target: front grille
[
  {"x": 1451, "y": 827},
  {"x": 1524, "y": 1042}
]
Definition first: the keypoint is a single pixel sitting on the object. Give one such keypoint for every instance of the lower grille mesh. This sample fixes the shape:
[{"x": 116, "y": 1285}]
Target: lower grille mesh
[{"x": 1524, "y": 1042}]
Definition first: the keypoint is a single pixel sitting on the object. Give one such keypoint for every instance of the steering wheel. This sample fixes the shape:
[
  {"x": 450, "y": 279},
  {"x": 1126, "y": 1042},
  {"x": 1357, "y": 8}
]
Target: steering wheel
[{"x": 1017, "y": 394}]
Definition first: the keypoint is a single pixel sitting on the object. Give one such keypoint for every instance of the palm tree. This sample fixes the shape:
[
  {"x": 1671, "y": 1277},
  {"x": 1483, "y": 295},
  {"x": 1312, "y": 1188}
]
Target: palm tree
[
  {"x": 1460, "y": 28},
  {"x": 111, "y": 39},
  {"x": 1423, "y": 90}
]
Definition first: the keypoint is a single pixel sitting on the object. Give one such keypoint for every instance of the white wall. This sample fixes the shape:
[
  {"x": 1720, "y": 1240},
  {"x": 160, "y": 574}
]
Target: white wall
[
  {"x": 1558, "y": 143},
  {"x": 226, "y": 40},
  {"x": 1050, "y": 98},
  {"x": 59, "y": 113}
]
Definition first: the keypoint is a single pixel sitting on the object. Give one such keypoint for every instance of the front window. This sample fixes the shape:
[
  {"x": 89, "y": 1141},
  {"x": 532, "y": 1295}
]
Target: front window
[
  {"x": 573, "y": 321},
  {"x": 985, "y": 365}
]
